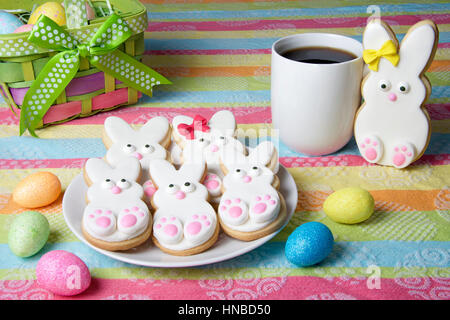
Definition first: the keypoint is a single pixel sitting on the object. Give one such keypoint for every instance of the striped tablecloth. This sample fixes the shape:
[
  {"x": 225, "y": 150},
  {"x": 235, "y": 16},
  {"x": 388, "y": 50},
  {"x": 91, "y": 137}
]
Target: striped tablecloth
[{"x": 217, "y": 53}]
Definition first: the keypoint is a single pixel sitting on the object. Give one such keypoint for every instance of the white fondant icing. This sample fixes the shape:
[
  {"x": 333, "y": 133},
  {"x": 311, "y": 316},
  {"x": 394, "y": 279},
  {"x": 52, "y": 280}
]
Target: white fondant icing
[
  {"x": 195, "y": 217},
  {"x": 114, "y": 193},
  {"x": 391, "y": 115},
  {"x": 248, "y": 186},
  {"x": 143, "y": 144}
]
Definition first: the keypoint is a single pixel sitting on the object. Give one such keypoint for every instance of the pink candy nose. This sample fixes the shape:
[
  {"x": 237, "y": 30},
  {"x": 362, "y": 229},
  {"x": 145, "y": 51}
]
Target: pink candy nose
[
  {"x": 214, "y": 148},
  {"x": 137, "y": 155},
  {"x": 180, "y": 195},
  {"x": 247, "y": 179},
  {"x": 116, "y": 190},
  {"x": 392, "y": 96}
]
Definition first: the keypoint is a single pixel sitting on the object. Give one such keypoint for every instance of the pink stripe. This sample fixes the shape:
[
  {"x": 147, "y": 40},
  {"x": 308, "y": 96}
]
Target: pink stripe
[
  {"x": 139, "y": 115},
  {"x": 340, "y": 22},
  {"x": 207, "y": 52},
  {"x": 289, "y": 162},
  {"x": 273, "y": 288},
  {"x": 355, "y": 161}
]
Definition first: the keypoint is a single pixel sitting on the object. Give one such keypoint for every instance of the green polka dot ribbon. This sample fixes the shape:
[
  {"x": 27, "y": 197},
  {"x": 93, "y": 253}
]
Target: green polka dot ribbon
[
  {"x": 102, "y": 53},
  {"x": 76, "y": 15}
]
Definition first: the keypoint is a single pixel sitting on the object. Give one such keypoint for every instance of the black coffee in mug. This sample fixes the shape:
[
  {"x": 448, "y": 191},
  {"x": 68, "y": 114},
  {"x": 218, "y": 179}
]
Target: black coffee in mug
[{"x": 318, "y": 55}]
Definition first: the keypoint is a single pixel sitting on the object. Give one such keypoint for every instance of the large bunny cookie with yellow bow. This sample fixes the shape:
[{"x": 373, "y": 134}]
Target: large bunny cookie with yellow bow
[{"x": 392, "y": 126}]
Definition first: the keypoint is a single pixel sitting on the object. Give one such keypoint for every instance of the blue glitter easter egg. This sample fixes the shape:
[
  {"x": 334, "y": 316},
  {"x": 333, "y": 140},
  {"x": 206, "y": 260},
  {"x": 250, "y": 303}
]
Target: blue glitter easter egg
[
  {"x": 8, "y": 22},
  {"x": 309, "y": 244}
]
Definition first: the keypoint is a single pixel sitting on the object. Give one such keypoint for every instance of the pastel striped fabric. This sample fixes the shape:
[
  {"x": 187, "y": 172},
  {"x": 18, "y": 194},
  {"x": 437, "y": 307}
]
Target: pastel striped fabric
[{"x": 217, "y": 53}]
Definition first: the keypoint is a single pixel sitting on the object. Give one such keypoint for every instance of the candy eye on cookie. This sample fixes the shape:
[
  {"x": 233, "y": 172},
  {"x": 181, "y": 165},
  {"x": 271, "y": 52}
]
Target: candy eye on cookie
[
  {"x": 123, "y": 184},
  {"x": 254, "y": 171},
  {"x": 239, "y": 173},
  {"x": 384, "y": 85},
  {"x": 403, "y": 87},
  {"x": 188, "y": 187},
  {"x": 148, "y": 148},
  {"x": 129, "y": 148},
  {"x": 172, "y": 188},
  {"x": 108, "y": 184}
]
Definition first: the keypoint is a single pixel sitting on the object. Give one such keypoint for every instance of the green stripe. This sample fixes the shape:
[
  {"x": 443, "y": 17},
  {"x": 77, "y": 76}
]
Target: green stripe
[
  {"x": 235, "y": 273},
  {"x": 402, "y": 226}
]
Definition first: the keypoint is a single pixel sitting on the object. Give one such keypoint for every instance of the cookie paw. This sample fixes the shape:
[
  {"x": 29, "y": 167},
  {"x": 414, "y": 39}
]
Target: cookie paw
[
  {"x": 101, "y": 221},
  {"x": 213, "y": 184},
  {"x": 132, "y": 219},
  {"x": 168, "y": 229},
  {"x": 149, "y": 188},
  {"x": 198, "y": 228},
  {"x": 233, "y": 211},
  {"x": 371, "y": 149},
  {"x": 264, "y": 208},
  {"x": 403, "y": 155}
]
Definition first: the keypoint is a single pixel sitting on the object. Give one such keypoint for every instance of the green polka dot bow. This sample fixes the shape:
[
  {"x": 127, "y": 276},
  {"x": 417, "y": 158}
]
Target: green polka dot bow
[{"x": 102, "y": 53}]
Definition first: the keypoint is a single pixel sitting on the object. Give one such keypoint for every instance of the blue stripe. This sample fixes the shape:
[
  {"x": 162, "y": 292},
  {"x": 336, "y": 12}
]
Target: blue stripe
[
  {"x": 230, "y": 44},
  {"x": 297, "y": 12},
  {"x": 271, "y": 255},
  {"x": 27, "y": 148}
]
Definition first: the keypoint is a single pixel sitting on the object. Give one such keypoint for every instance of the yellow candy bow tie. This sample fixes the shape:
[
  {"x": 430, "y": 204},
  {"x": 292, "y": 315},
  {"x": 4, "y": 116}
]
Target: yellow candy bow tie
[{"x": 388, "y": 50}]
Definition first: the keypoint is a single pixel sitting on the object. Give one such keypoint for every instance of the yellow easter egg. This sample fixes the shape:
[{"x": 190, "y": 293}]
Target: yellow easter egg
[
  {"x": 349, "y": 205},
  {"x": 53, "y": 10}
]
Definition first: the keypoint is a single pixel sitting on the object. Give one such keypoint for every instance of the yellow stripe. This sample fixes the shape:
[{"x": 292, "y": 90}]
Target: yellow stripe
[{"x": 10, "y": 178}]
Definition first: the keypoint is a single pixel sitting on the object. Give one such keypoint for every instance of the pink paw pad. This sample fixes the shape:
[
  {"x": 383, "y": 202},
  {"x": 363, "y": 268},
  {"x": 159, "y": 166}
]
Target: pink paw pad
[
  {"x": 168, "y": 229},
  {"x": 403, "y": 155},
  {"x": 233, "y": 211},
  {"x": 101, "y": 221},
  {"x": 198, "y": 228},
  {"x": 264, "y": 207},
  {"x": 132, "y": 219},
  {"x": 213, "y": 183},
  {"x": 149, "y": 188},
  {"x": 371, "y": 149}
]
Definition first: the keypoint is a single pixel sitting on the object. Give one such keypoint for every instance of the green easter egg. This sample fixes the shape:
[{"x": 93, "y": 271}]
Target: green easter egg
[
  {"x": 349, "y": 205},
  {"x": 28, "y": 233}
]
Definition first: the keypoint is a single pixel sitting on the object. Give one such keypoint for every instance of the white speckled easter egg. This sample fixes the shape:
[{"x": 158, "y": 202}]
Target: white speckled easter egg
[
  {"x": 53, "y": 10},
  {"x": 8, "y": 22},
  {"x": 37, "y": 190},
  {"x": 63, "y": 273},
  {"x": 28, "y": 233}
]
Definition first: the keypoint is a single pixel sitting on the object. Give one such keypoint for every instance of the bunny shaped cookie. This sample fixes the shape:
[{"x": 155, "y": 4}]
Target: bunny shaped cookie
[
  {"x": 146, "y": 144},
  {"x": 392, "y": 127},
  {"x": 203, "y": 140},
  {"x": 184, "y": 221},
  {"x": 251, "y": 207},
  {"x": 115, "y": 218}
]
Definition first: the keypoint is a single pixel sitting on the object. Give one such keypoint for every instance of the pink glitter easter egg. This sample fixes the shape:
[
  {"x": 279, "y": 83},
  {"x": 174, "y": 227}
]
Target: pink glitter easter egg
[{"x": 62, "y": 273}]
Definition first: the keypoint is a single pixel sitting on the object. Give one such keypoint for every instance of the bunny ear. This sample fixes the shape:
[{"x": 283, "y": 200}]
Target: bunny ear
[
  {"x": 156, "y": 128},
  {"x": 262, "y": 153},
  {"x": 193, "y": 171},
  {"x": 181, "y": 120},
  {"x": 129, "y": 168},
  {"x": 161, "y": 171},
  {"x": 376, "y": 34},
  {"x": 97, "y": 169},
  {"x": 230, "y": 155},
  {"x": 117, "y": 129},
  {"x": 418, "y": 46},
  {"x": 224, "y": 122}
]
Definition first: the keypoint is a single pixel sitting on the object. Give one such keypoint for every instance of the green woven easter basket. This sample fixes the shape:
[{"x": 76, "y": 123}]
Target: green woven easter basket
[{"x": 54, "y": 74}]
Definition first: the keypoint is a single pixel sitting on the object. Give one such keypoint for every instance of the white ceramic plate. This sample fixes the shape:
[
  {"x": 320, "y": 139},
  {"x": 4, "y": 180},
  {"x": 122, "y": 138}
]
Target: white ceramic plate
[{"x": 149, "y": 255}]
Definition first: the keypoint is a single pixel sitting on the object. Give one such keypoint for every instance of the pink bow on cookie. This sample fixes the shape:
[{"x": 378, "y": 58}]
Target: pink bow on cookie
[{"x": 199, "y": 124}]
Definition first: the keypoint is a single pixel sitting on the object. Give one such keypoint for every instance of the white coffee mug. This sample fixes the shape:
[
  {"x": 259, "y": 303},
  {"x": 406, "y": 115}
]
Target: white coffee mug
[{"x": 313, "y": 105}]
